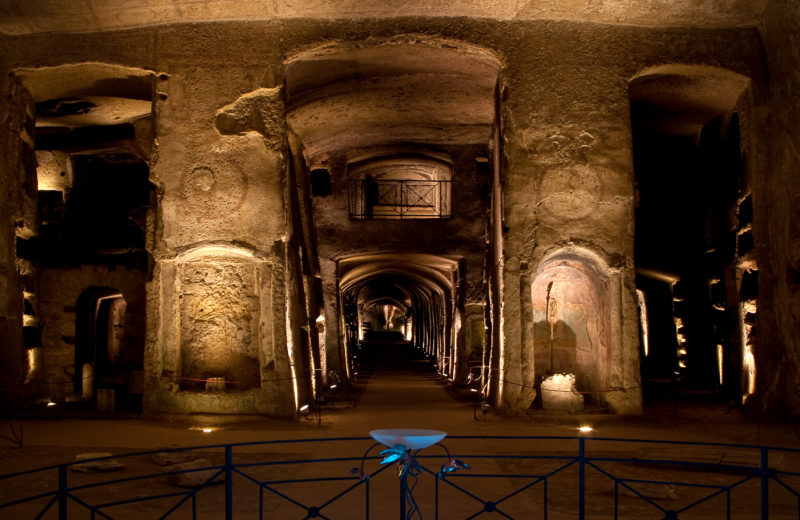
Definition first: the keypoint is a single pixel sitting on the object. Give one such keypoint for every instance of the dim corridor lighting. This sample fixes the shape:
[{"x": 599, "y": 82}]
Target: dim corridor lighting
[
  {"x": 50, "y": 403},
  {"x": 585, "y": 429},
  {"x": 205, "y": 429}
]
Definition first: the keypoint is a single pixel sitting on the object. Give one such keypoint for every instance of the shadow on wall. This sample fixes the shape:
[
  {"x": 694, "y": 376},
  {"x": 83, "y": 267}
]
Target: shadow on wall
[{"x": 571, "y": 323}]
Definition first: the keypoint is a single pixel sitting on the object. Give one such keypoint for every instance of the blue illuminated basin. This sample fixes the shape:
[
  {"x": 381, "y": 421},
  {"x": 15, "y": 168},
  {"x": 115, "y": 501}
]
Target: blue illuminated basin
[{"x": 410, "y": 438}]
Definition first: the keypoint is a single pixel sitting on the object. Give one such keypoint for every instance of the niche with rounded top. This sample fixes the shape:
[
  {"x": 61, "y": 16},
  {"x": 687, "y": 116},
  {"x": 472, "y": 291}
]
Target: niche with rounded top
[{"x": 571, "y": 322}]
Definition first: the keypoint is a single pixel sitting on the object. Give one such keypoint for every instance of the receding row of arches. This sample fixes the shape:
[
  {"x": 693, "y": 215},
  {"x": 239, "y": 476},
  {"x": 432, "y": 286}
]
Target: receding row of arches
[{"x": 390, "y": 260}]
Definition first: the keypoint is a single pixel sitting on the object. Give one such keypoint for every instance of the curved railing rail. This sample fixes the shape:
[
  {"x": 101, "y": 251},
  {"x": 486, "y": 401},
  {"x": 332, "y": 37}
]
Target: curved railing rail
[{"x": 510, "y": 477}]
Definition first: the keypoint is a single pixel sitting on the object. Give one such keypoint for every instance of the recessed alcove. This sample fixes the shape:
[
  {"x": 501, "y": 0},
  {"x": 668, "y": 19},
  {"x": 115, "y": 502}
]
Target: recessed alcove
[
  {"x": 571, "y": 322},
  {"x": 219, "y": 334}
]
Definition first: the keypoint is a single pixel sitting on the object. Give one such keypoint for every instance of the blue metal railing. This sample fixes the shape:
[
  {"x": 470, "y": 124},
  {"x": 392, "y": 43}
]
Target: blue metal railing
[{"x": 576, "y": 477}]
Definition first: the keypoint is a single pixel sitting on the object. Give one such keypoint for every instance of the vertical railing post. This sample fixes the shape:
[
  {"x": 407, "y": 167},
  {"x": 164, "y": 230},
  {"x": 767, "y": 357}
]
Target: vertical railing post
[
  {"x": 403, "y": 491},
  {"x": 436, "y": 497},
  {"x": 62, "y": 492},
  {"x": 581, "y": 476},
  {"x": 764, "y": 484},
  {"x": 366, "y": 484},
  {"x": 228, "y": 482}
]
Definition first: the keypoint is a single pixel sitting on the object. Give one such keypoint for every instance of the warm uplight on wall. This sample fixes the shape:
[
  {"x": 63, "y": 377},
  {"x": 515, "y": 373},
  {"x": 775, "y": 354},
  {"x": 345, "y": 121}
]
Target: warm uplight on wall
[
  {"x": 290, "y": 353},
  {"x": 34, "y": 357},
  {"x": 679, "y": 331},
  {"x": 747, "y": 317},
  {"x": 205, "y": 429},
  {"x": 585, "y": 429},
  {"x": 643, "y": 322}
]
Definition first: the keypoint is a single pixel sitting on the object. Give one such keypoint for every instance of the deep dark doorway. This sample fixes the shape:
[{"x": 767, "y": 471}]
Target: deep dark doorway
[
  {"x": 690, "y": 184},
  {"x": 102, "y": 350}
]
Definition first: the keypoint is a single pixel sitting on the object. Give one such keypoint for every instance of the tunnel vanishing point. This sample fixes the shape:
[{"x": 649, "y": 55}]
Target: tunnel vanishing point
[{"x": 210, "y": 207}]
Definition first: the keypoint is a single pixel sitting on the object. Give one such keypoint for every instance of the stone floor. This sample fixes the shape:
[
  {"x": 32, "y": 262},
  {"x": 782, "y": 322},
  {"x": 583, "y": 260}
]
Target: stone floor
[{"x": 402, "y": 392}]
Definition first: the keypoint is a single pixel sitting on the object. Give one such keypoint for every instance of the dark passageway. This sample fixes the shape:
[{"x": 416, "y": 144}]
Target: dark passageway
[{"x": 402, "y": 388}]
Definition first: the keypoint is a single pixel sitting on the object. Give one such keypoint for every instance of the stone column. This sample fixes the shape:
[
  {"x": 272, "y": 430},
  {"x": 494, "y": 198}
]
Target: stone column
[
  {"x": 218, "y": 305},
  {"x": 568, "y": 190},
  {"x": 18, "y": 219}
]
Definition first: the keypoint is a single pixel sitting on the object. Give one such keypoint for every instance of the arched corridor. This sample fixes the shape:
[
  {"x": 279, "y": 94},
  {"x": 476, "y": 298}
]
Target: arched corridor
[{"x": 595, "y": 196}]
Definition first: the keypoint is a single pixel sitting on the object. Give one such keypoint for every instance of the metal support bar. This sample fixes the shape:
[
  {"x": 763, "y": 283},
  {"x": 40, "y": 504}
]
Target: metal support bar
[
  {"x": 581, "y": 477},
  {"x": 764, "y": 484},
  {"x": 403, "y": 493},
  {"x": 62, "y": 492},
  {"x": 228, "y": 482}
]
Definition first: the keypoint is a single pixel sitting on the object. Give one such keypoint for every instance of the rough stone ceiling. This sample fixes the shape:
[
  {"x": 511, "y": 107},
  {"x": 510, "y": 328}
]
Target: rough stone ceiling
[
  {"x": 389, "y": 94},
  {"x": 431, "y": 270},
  {"x": 680, "y": 100},
  {"x": 103, "y": 110},
  {"x": 19, "y": 17}
]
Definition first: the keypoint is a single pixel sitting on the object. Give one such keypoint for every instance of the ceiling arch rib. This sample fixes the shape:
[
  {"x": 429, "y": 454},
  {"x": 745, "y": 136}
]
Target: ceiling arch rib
[
  {"x": 680, "y": 99},
  {"x": 416, "y": 90}
]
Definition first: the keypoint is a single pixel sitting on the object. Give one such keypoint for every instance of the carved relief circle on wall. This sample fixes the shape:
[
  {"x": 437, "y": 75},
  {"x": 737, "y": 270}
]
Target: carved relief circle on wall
[
  {"x": 572, "y": 192},
  {"x": 214, "y": 193}
]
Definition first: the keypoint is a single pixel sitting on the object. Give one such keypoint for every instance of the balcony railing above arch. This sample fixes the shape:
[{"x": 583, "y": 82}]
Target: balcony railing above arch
[{"x": 399, "y": 199}]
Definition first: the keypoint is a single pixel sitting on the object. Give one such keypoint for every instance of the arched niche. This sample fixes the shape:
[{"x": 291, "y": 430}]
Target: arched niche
[
  {"x": 571, "y": 331},
  {"x": 219, "y": 303},
  {"x": 101, "y": 341}
]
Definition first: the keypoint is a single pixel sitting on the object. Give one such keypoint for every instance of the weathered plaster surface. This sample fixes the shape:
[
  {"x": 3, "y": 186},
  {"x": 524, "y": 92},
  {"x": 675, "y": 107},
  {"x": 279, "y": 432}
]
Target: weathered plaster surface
[
  {"x": 101, "y": 15},
  {"x": 776, "y": 194},
  {"x": 566, "y": 163}
]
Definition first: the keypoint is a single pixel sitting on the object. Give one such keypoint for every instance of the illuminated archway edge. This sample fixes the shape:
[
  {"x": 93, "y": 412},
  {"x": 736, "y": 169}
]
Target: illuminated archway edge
[
  {"x": 688, "y": 70},
  {"x": 689, "y": 95},
  {"x": 215, "y": 250},
  {"x": 83, "y": 79}
]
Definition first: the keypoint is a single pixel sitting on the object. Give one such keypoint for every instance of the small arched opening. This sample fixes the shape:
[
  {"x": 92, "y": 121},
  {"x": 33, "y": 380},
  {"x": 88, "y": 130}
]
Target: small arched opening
[
  {"x": 571, "y": 331},
  {"x": 398, "y": 298},
  {"x": 104, "y": 356}
]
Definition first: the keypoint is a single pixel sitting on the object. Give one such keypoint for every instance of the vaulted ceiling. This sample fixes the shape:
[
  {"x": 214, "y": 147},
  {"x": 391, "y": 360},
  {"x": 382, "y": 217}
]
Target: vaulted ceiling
[{"x": 18, "y": 17}]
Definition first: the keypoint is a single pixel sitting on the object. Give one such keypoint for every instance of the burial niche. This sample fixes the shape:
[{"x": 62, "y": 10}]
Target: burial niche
[{"x": 571, "y": 324}]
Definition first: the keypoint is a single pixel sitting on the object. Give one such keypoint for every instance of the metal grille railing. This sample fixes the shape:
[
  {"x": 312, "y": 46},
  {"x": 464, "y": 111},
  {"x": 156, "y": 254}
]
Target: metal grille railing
[
  {"x": 399, "y": 199},
  {"x": 510, "y": 477}
]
